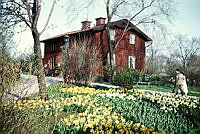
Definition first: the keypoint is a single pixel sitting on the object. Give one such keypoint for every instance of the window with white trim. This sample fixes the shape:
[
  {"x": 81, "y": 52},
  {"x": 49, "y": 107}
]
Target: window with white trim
[
  {"x": 52, "y": 62},
  {"x": 108, "y": 58},
  {"x": 132, "y": 39},
  {"x": 131, "y": 62},
  {"x": 112, "y": 34}
]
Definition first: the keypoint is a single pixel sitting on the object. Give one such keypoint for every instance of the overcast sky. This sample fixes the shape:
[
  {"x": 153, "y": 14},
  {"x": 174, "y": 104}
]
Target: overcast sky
[{"x": 187, "y": 21}]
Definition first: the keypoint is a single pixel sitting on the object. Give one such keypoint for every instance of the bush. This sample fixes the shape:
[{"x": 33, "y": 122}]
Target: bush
[
  {"x": 145, "y": 77},
  {"x": 108, "y": 70},
  {"x": 108, "y": 73},
  {"x": 29, "y": 117},
  {"x": 80, "y": 63},
  {"x": 126, "y": 78},
  {"x": 9, "y": 74}
]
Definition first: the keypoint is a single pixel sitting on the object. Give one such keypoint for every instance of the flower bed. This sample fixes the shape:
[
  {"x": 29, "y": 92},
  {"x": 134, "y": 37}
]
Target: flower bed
[{"x": 87, "y": 110}]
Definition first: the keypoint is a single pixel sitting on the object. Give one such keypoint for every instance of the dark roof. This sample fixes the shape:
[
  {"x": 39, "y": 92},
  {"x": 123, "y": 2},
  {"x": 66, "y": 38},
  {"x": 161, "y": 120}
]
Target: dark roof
[
  {"x": 122, "y": 24},
  {"x": 119, "y": 23}
]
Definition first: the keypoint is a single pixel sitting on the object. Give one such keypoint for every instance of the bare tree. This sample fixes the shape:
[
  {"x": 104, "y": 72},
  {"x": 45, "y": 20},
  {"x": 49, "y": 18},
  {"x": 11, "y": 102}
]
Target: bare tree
[
  {"x": 186, "y": 57},
  {"x": 110, "y": 13},
  {"x": 28, "y": 11},
  {"x": 82, "y": 62},
  {"x": 151, "y": 66},
  {"x": 193, "y": 70},
  {"x": 148, "y": 12},
  {"x": 185, "y": 48}
]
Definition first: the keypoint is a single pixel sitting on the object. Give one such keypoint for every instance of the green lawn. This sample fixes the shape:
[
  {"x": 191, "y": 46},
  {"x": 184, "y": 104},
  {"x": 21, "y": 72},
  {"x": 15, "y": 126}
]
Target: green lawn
[{"x": 166, "y": 89}]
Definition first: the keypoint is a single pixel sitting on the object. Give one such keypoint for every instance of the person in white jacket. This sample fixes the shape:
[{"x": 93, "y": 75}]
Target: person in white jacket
[{"x": 181, "y": 83}]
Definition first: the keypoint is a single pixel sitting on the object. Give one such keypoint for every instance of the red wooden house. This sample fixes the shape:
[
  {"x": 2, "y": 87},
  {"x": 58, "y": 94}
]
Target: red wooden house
[{"x": 129, "y": 53}]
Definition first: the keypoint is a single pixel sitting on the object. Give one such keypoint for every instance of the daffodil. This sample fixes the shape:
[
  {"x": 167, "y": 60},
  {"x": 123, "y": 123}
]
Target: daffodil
[
  {"x": 143, "y": 128},
  {"x": 76, "y": 122},
  {"x": 151, "y": 129}
]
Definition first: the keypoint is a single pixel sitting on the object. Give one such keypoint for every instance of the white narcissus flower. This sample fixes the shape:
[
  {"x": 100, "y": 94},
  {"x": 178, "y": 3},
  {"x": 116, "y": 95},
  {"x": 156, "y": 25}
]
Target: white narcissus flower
[
  {"x": 172, "y": 102},
  {"x": 117, "y": 95}
]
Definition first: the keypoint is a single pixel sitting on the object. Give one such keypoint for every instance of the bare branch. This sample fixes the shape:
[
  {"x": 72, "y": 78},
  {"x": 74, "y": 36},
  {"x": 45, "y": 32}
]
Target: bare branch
[
  {"x": 126, "y": 27},
  {"x": 122, "y": 36},
  {"x": 186, "y": 48},
  {"x": 22, "y": 18},
  {"x": 50, "y": 13},
  {"x": 140, "y": 11},
  {"x": 28, "y": 9},
  {"x": 145, "y": 21},
  {"x": 116, "y": 7}
]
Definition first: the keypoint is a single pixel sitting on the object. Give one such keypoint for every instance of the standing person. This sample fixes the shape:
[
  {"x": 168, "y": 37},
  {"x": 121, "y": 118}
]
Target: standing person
[{"x": 181, "y": 83}]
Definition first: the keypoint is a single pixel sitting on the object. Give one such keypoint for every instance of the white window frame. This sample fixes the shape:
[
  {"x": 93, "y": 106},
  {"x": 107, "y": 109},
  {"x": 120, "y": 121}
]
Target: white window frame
[
  {"x": 52, "y": 62},
  {"x": 108, "y": 58},
  {"x": 112, "y": 34},
  {"x": 133, "y": 60},
  {"x": 132, "y": 39}
]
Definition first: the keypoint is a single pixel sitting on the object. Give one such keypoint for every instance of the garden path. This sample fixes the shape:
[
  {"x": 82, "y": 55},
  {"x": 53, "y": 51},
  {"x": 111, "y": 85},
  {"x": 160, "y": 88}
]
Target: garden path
[{"x": 28, "y": 85}]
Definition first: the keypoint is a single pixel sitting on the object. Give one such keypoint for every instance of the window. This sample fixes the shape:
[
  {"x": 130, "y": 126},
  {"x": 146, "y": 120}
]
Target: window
[
  {"x": 53, "y": 48},
  {"x": 132, "y": 39},
  {"x": 108, "y": 57},
  {"x": 52, "y": 62},
  {"x": 112, "y": 34},
  {"x": 131, "y": 62}
]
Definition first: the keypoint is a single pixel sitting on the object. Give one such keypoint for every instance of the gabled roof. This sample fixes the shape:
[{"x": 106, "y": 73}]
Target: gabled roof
[
  {"x": 123, "y": 23},
  {"x": 119, "y": 23}
]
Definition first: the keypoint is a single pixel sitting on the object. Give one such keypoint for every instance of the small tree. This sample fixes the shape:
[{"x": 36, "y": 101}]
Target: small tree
[
  {"x": 28, "y": 12},
  {"x": 9, "y": 74},
  {"x": 82, "y": 58}
]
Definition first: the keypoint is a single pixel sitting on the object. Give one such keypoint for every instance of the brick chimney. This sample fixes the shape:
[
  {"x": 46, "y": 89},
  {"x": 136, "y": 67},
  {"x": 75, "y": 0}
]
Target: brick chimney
[
  {"x": 85, "y": 25},
  {"x": 100, "y": 21}
]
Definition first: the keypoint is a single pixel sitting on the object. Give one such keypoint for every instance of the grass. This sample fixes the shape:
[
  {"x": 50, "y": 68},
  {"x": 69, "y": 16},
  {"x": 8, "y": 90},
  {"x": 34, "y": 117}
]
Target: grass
[
  {"x": 153, "y": 88},
  {"x": 192, "y": 90},
  {"x": 194, "y": 93},
  {"x": 166, "y": 89}
]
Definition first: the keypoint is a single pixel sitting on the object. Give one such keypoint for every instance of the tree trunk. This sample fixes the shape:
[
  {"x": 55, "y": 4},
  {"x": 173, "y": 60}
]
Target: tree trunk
[
  {"x": 109, "y": 17},
  {"x": 109, "y": 45},
  {"x": 39, "y": 65}
]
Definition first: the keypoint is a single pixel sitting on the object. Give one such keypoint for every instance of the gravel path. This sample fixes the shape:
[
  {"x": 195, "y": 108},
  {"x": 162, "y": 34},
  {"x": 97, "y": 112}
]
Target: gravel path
[{"x": 27, "y": 86}]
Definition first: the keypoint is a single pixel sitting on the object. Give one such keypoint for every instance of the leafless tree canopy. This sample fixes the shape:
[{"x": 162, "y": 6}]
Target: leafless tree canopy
[
  {"x": 149, "y": 13},
  {"x": 80, "y": 62},
  {"x": 185, "y": 48},
  {"x": 182, "y": 53}
]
